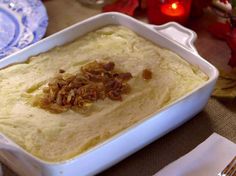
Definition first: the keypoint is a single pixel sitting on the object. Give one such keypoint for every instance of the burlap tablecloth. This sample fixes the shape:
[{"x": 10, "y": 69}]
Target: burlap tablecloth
[{"x": 217, "y": 116}]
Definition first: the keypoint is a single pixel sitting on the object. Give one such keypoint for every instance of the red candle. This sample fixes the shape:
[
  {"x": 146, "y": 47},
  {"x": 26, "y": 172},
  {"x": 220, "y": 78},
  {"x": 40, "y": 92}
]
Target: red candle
[
  {"x": 162, "y": 11},
  {"x": 173, "y": 9}
]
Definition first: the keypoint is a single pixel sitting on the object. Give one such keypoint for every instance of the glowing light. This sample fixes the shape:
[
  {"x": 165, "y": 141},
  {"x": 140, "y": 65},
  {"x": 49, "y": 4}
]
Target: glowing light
[
  {"x": 174, "y": 9},
  {"x": 174, "y": 6}
]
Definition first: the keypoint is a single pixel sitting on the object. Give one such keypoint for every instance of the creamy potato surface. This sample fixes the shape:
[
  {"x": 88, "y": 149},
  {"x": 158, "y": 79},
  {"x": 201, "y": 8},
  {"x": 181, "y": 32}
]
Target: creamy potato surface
[{"x": 60, "y": 136}]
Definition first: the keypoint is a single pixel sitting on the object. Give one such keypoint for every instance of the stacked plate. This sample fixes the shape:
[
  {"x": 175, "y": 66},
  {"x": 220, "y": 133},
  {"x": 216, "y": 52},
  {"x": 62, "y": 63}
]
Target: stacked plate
[{"x": 22, "y": 22}]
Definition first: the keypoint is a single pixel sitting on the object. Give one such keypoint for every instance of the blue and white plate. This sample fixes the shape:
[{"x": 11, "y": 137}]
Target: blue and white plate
[{"x": 22, "y": 22}]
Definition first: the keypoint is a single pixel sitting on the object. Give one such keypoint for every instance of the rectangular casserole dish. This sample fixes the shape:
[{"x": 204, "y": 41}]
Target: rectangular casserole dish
[{"x": 172, "y": 36}]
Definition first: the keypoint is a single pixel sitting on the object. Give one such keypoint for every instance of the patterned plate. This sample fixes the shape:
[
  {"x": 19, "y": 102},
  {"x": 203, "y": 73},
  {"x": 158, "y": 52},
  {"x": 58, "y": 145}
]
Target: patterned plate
[{"x": 22, "y": 22}]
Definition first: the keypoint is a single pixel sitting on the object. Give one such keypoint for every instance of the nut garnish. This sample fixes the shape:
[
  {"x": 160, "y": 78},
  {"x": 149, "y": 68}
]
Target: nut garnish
[
  {"x": 95, "y": 81},
  {"x": 61, "y": 71},
  {"x": 147, "y": 74}
]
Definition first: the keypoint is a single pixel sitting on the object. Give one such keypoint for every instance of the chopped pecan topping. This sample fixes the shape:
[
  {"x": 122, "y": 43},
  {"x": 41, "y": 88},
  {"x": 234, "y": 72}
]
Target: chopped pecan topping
[
  {"x": 61, "y": 71},
  {"x": 125, "y": 76},
  {"x": 147, "y": 74},
  {"x": 114, "y": 95},
  {"x": 94, "y": 81},
  {"x": 109, "y": 66}
]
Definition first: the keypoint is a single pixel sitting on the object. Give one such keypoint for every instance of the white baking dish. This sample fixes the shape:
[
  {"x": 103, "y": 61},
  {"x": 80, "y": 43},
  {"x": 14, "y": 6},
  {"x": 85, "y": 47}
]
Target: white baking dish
[{"x": 172, "y": 36}]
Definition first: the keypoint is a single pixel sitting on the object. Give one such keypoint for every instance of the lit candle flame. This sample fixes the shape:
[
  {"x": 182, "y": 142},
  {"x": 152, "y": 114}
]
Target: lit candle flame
[{"x": 174, "y": 6}]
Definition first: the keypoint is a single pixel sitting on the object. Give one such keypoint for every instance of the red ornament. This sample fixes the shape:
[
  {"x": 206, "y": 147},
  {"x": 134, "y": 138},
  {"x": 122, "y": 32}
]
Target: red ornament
[
  {"x": 219, "y": 30},
  {"x": 231, "y": 41},
  {"x": 224, "y": 1},
  {"x": 224, "y": 32},
  {"x": 124, "y": 6},
  {"x": 198, "y": 6}
]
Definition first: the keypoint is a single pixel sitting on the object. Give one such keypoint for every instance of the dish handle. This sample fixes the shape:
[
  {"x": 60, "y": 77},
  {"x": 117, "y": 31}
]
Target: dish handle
[{"x": 182, "y": 35}]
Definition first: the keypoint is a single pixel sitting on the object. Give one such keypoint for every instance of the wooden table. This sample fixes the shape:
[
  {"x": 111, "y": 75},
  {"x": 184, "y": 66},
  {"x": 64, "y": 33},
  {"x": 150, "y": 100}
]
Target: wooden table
[{"x": 217, "y": 116}]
